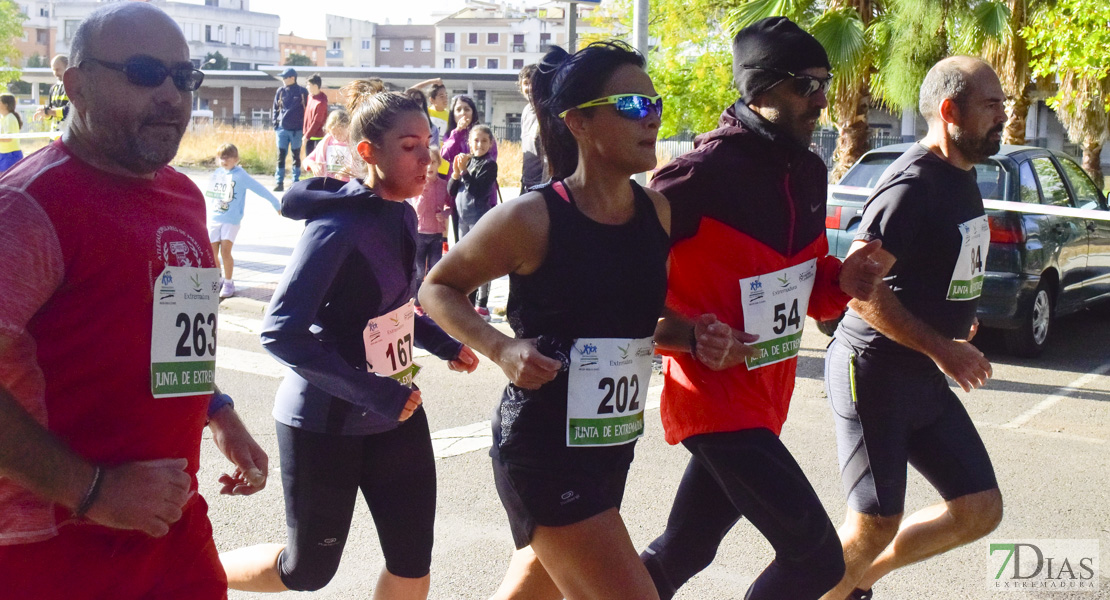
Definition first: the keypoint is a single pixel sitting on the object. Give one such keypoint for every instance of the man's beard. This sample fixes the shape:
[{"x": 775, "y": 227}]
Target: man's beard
[{"x": 977, "y": 149}]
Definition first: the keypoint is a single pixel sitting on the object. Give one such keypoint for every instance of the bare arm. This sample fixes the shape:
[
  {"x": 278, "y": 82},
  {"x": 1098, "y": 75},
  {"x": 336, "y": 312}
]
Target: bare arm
[
  {"x": 511, "y": 238},
  {"x": 425, "y": 84},
  {"x": 959, "y": 360}
]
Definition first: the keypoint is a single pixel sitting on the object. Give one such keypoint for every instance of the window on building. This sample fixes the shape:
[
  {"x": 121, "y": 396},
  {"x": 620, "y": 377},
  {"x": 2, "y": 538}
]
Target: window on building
[
  {"x": 472, "y": 63},
  {"x": 336, "y": 44},
  {"x": 493, "y": 39},
  {"x": 385, "y": 45},
  {"x": 448, "y": 42},
  {"x": 287, "y": 51},
  {"x": 43, "y": 12},
  {"x": 410, "y": 46},
  {"x": 472, "y": 38},
  {"x": 71, "y": 28},
  {"x": 518, "y": 42},
  {"x": 238, "y": 36},
  {"x": 545, "y": 42},
  {"x": 448, "y": 63},
  {"x": 491, "y": 63},
  {"x": 425, "y": 45},
  {"x": 42, "y": 36},
  {"x": 313, "y": 56},
  {"x": 518, "y": 63}
]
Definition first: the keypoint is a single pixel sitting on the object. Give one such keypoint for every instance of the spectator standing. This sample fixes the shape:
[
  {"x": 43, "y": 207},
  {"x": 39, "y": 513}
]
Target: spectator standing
[
  {"x": 315, "y": 114},
  {"x": 289, "y": 108},
  {"x": 533, "y": 171},
  {"x": 56, "y": 108},
  {"x": 10, "y": 122},
  {"x": 431, "y": 219}
]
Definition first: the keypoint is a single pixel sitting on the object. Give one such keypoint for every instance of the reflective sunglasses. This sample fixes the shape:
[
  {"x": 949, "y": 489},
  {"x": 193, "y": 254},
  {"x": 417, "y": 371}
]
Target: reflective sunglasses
[
  {"x": 629, "y": 106},
  {"x": 147, "y": 71},
  {"x": 804, "y": 85}
]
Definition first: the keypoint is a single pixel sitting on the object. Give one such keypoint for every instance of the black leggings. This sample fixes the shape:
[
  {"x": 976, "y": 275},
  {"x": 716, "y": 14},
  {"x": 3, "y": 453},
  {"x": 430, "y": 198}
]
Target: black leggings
[
  {"x": 747, "y": 473},
  {"x": 322, "y": 473}
]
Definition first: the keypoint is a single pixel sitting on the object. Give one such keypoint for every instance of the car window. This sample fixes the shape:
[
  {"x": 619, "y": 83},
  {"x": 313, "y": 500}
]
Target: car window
[
  {"x": 1029, "y": 191},
  {"x": 991, "y": 178},
  {"x": 868, "y": 170},
  {"x": 1052, "y": 185},
  {"x": 1086, "y": 194}
]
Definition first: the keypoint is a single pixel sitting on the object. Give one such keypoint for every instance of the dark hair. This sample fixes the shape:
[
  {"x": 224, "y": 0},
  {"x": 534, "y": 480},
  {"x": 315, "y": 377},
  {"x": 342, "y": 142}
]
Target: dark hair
[
  {"x": 949, "y": 79},
  {"x": 451, "y": 124},
  {"x": 9, "y": 101},
  {"x": 374, "y": 112},
  {"x": 419, "y": 97},
  {"x": 482, "y": 128},
  {"x": 316, "y": 80},
  {"x": 435, "y": 89},
  {"x": 527, "y": 73},
  {"x": 564, "y": 81}
]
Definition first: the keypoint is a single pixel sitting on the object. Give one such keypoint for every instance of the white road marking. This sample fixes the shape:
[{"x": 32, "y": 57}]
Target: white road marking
[{"x": 1065, "y": 392}]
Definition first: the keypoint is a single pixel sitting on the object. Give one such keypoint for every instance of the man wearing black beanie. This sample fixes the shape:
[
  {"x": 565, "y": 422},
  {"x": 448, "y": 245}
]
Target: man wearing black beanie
[{"x": 749, "y": 253}]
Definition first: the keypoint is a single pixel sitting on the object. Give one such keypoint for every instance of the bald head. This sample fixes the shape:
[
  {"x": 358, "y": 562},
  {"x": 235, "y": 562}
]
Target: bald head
[
  {"x": 953, "y": 78},
  {"x": 121, "y": 23},
  {"x": 128, "y": 113}
]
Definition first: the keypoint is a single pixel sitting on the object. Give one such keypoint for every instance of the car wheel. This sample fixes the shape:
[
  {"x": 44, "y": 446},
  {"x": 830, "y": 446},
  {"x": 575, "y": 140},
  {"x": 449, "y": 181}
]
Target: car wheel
[
  {"x": 829, "y": 327},
  {"x": 1031, "y": 337}
]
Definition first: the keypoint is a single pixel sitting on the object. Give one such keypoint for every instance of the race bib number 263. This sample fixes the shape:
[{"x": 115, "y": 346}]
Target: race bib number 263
[{"x": 183, "y": 332}]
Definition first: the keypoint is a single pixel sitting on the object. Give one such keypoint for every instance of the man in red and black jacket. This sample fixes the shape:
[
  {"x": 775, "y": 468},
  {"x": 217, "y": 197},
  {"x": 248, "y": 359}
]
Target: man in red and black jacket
[{"x": 748, "y": 263}]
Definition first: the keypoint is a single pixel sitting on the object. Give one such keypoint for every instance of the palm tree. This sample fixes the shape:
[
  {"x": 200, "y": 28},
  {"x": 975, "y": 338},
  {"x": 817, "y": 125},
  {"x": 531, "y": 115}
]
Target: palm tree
[
  {"x": 993, "y": 32},
  {"x": 1082, "y": 109}
]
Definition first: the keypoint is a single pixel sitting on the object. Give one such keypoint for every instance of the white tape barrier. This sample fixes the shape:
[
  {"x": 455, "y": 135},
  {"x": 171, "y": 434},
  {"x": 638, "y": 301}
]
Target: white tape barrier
[{"x": 31, "y": 135}]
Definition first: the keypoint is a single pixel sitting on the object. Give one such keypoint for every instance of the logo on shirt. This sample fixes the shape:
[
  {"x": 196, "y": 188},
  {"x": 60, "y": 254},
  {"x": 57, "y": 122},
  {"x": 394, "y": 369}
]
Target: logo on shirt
[
  {"x": 590, "y": 357},
  {"x": 177, "y": 248},
  {"x": 755, "y": 291}
]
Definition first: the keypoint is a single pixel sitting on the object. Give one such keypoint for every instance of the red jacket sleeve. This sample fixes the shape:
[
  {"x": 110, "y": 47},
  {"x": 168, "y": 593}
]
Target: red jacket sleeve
[{"x": 827, "y": 301}]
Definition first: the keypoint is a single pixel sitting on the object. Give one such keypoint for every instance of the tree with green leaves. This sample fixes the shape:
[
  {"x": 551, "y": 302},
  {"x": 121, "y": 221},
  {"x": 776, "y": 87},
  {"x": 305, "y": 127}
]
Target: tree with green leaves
[
  {"x": 296, "y": 59},
  {"x": 1070, "y": 42},
  {"x": 214, "y": 61},
  {"x": 11, "y": 29}
]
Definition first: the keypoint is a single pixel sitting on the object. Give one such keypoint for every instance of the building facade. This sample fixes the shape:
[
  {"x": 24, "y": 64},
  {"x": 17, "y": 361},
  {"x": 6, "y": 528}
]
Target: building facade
[
  {"x": 315, "y": 50},
  {"x": 405, "y": 46}
]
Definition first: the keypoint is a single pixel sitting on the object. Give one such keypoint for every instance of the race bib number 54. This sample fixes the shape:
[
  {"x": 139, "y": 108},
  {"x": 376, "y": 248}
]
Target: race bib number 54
[
  {"x": 606, "y": 390},
  {"x": 183, "y": 332},
  {"x": 967, "y": 276},
  {"x": 775, "y": 307}
]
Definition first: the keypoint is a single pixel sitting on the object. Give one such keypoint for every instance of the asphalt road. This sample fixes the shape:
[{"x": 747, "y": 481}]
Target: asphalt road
[{"x": 1046, "y": 423}]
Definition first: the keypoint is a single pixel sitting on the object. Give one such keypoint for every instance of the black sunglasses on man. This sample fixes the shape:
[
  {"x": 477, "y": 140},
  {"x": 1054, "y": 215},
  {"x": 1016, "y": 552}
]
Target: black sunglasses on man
[{"x": 147, "y": 71}]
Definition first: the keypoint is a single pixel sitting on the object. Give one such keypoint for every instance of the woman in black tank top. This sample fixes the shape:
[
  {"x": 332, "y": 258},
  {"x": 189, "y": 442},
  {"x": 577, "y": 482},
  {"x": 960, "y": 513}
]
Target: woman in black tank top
[{"x": 586, "y": 259}]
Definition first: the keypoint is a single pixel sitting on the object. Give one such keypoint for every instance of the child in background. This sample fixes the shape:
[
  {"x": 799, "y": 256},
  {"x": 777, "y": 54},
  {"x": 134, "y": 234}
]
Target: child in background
[
  {"x": 226, "y": 196},
  {"x": 10, "y": 122},
  {"x": 431, "y": 220},
  {"x": 332, "y": 157},
  {"x": 473, "y": 176}
]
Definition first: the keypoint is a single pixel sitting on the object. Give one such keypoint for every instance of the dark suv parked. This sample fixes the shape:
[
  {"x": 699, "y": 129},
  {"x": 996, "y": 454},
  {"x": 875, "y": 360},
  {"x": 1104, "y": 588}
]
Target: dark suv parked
[{"x": 1050, "y": 237}]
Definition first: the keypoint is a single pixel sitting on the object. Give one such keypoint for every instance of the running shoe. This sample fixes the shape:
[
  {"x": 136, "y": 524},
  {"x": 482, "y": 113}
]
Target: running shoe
[
  {"x": 858, "y": 594},
  {"x": 483, "y": 312},
  {"x": 280, "y": 187},
  {"x": 228, "y": 289}
]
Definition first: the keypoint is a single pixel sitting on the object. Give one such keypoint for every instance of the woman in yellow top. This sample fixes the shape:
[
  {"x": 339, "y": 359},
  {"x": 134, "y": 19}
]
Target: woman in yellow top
[{"x": 10, "y": 122}]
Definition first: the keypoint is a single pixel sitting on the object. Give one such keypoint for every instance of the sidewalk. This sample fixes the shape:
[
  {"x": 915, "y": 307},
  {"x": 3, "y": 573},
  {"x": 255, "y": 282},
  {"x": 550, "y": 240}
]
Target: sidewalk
[{"x": 265, "y": 244}]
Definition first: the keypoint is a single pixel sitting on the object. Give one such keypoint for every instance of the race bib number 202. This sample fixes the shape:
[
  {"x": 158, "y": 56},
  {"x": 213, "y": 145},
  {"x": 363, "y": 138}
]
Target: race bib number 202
[
  {"x": 183, "y": 332},
  {"x": 606, "y": 390}
]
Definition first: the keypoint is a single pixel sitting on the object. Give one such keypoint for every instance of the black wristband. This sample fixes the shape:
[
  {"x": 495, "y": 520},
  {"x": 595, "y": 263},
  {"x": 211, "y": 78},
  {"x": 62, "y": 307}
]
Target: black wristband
[
  {"x": 90, "y": 494},
  {"x": 694, "y": 342}
]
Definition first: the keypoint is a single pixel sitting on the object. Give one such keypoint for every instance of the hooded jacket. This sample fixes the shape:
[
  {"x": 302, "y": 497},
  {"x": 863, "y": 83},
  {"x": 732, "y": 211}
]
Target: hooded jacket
[
  {"x": 747, "y": 201},
  {"x": 355, "y": 261}
]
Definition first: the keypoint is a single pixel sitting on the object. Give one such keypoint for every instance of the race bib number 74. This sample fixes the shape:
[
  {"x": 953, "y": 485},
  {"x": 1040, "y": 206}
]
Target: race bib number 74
[{"x": 183, "y": 332}]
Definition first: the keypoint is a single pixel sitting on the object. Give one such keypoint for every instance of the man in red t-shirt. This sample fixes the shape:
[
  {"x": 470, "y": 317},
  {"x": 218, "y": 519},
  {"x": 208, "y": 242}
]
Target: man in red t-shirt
[
  {"x": 315, "y": 114},
  {"x": 107, "y": 336}
]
